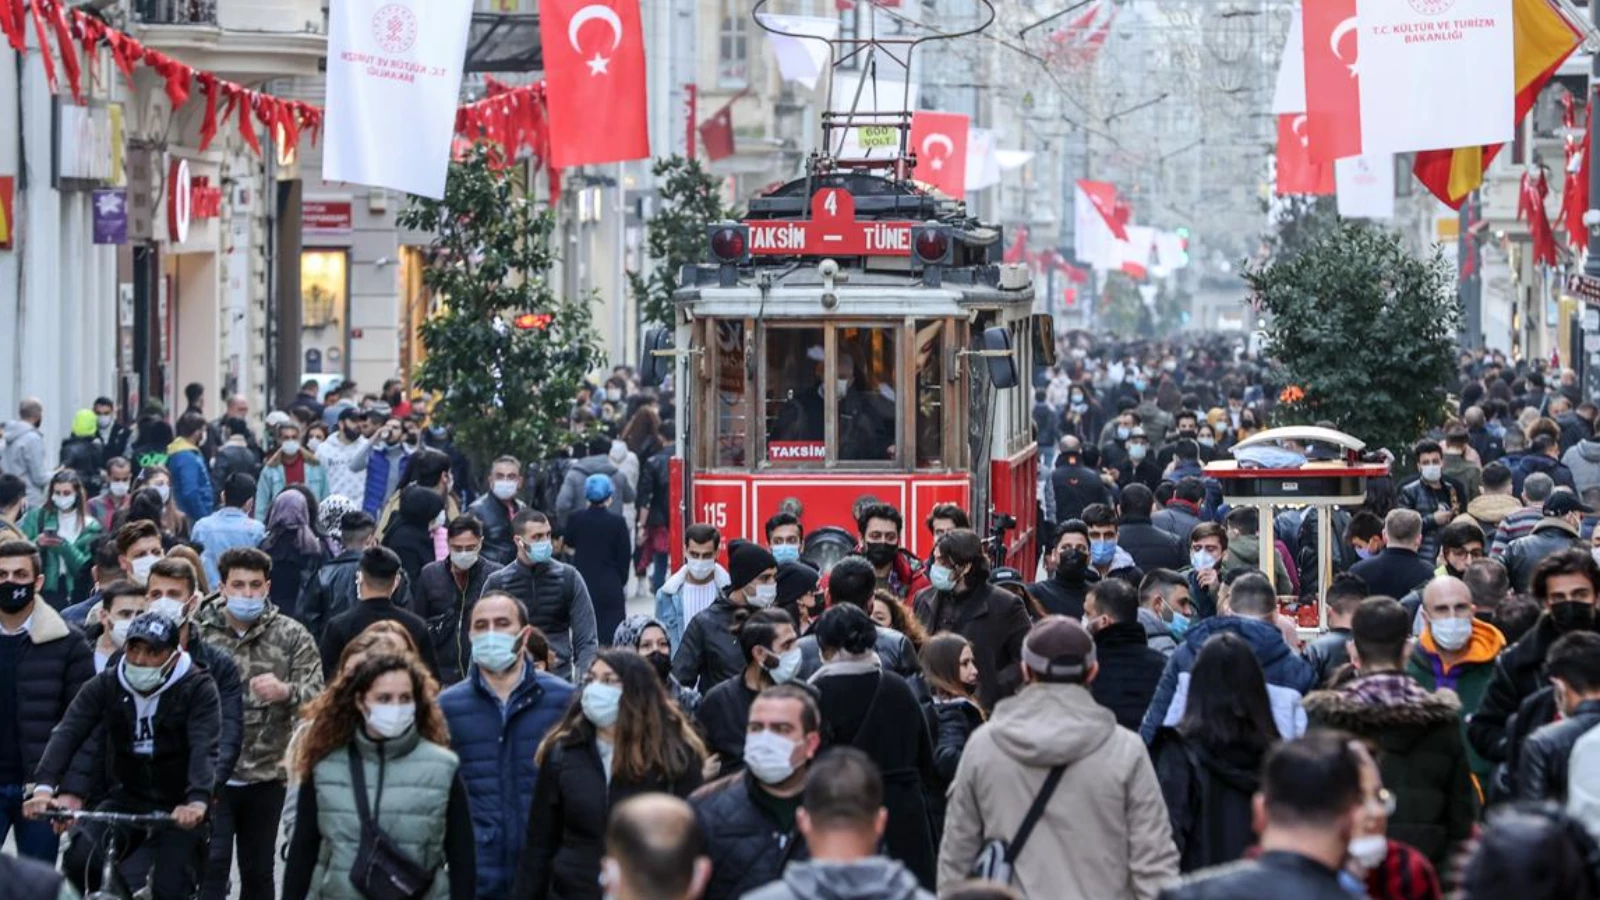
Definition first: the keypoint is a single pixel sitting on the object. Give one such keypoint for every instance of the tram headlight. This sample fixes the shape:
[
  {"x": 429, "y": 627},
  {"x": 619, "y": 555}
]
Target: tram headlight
[
  {"x": 931, "y": 244},
  {"x": 730, "y": 243}
]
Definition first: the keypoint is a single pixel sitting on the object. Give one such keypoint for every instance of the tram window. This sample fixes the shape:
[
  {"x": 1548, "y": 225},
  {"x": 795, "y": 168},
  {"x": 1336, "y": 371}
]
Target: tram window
[
  {"x": 867, "y": 400},
  {"x": 794, "y": 402},
  {"x": 929, "y": 370},
  {"x": 732, "y": 406}
]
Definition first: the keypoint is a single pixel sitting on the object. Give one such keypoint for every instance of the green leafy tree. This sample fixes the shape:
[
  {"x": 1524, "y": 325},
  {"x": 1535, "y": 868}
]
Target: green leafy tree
[
  {"x": 1363, "y": 333},
  {"x": 1299, "y": 223},
  {"x": 690, "y": 201},
  {"x": 505, "y": 354}
]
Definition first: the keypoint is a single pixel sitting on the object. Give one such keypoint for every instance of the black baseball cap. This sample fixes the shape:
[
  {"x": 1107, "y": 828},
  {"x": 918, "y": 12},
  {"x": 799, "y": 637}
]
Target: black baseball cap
[
  {"x": 351, "y": 412},
  {"x": 157, "y": 631},
  {"x": 1563, "y": 502}
]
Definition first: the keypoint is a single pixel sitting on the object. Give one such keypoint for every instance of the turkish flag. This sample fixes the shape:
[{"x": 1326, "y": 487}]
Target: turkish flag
[
  {"x": 716, "y": 133},
  {"x": 1333, "y": 88},
  {"x": 594, "y": 81},
  {"x": 1298, "y": 171},
  {"x": 940, "y": 142}
]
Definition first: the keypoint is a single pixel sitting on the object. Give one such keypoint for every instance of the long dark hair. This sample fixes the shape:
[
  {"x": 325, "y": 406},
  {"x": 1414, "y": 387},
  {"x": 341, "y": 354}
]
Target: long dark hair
[
  {"x": 1228, "y": 705},
  {"x": 652, "y": 736},
  {"x": 941, "y": 664}
]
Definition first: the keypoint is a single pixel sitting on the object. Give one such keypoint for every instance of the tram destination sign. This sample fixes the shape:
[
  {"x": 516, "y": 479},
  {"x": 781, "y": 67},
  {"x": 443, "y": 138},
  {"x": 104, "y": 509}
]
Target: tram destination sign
[{"x": 832, "y": 230}]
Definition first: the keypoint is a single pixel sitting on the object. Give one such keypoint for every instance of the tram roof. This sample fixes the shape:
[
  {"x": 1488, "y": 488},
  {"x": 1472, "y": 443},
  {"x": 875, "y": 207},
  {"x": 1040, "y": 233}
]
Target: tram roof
[{"x": 798, "y": 293}]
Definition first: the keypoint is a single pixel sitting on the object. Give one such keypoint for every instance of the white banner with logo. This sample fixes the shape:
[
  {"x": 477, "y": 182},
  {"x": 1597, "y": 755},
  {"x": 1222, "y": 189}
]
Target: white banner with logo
[
  {"x": 394, "y": 80},
  {"x": 1435, "y": 74},
  {"x": 1365, "y": 185}
]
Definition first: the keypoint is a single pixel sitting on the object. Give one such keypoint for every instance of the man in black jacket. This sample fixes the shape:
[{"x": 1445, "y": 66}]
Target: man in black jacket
[
  {"x": 1328, "y": 652},
  {"x": 1574, "y": 670},
  {"x": 157, "y": 720},
  {"x": 655, "y": 504},
  {"x": 1073, "y": 484},
  {"x": 447, "y": 590},
  {"x": 1399, "y": 568},
  {"x": 709, "y": 653},
  {"x": 1568, "y": 586},
  {"x": 1312, "y": 800},
  {"x": 553, "y": 593},
  {"x": 1150, "y": 547},
  {"x": 1063, "y": 593},
  {"x": 1129, "y": 668},
  {"x": 375, "y": 584},
  {"x": 333, "y": 589},
  {"x": 43, "y": 663},
  {"x": 497, "y": 508},
  {"x": 853, "y": 581},
  {"x": 749, "y": 818}
]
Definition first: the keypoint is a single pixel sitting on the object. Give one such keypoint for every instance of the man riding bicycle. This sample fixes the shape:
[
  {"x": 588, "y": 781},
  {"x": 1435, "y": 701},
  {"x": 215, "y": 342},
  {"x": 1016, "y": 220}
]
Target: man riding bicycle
[{"x": 160, "y": 720}]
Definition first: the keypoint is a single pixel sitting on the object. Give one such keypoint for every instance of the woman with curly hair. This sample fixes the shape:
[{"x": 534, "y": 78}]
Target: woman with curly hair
[
  {"x": 377, "y": 749},
  {"x": 620, "y": 737},
  {"x": 888, "y": 611}
]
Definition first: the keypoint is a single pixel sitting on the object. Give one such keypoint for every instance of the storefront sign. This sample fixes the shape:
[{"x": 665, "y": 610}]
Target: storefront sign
[
  {"x": 327, "y": 217},
  {"x": 8, "y": 190},
  {"x": 111, "y": 216},
  {"x": 189, "y": 199},
  {"x": 87, "y": 148},
  {"x": 1584, "y": 288}
]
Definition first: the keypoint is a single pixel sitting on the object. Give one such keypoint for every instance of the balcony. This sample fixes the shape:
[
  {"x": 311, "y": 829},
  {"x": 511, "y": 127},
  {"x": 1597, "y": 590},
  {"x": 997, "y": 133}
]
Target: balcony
[{"x": 248, "y": 41}]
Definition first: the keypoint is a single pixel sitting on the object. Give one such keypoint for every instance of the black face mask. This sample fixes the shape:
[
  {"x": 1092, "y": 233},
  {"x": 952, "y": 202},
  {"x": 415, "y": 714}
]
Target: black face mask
[
  {"x": 662, "y": 663},
  {"x": 1072, "y": 563},
  {"x": 880, "y": 554},
  {"x": 1570, "y": 617},
  {"x": 351, "y": 434},
  {"x": 14, "y": 598},
  {"x": 1453, "y": 572}
]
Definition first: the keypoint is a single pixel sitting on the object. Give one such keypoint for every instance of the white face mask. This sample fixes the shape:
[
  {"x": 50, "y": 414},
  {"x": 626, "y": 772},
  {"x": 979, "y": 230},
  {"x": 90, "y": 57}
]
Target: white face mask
[
  {"x": 1431, "y": 473},
  {"x": 119, "y": 632},
  {"x": 165, "y": 490},
  {"x": 291, "y": 447},
  {"x": 64, "y": 502},
  {"x": 764, "y": 595},
  {"x": 464, "y": 559},
  {"x": 768, "y": 756},
  {"x": 1451, "y": 634},
  {"x": 1369, "y": 850},
  {"x": 701, "y": 569},
  {"x": 140, "y": 569},
  {"x": 168, "y": 608},
  {"x": 504, "y": 488},
  {"x": 390, "y": 720},
  {"x": 119, "y": 488}
]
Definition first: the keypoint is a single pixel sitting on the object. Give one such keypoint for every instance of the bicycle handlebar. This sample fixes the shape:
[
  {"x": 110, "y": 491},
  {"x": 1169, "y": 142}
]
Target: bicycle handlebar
[{"x": 136, "y": 820}]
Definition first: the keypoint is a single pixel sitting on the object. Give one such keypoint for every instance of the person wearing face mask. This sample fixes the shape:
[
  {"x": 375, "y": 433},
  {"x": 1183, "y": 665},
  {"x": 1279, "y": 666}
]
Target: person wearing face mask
[
  {"x": 291, "y": 464},
  {"x": 1415, "y": 735},
  {"x": 1307, "y": 812},
  {"x": 1139, "y": 465},
  {"x": 1070, "y": 576},
  {"x": 1566, "y": 585},
  {"x": 498, "y": 506},
  {"x": 410, "y": 531},
  {"x": 1165, "y": 610},
  {"x": 1434, "y": 496},
  {"x": 120, "y": 603},
  {"x": 693, "y": 588},
  {"x": 191, "y": 478},
  {"x": 65, "y": 534},
  {"x": 709, "y": 653},
  {"x": 553, "y": 593},
  {"x": 598, "y": 461},
  {"x": 498, "y": 717},
  {"x": 881, "y": 526},
  {"x": 602, "y": 548},
  {"x": 43, "y": 661},
  {"x": 377, "y": 751},
  {"x": 621, "y": 739},
  {"x": 112, "y": 433},
  {"x": 1073, "y": 485},
  {"x": 1129, "y": 669},
  {"x": 1082, "y": 416},
  {"x": 1457, "y": 651},
  {"x": 853, "y": 582},
  {"x": 749, "y": 818},
  {"x": 387, "y": 464},
  {"x": 1106, "y": 556},
  {"x": 1573, "y": 667},
  {"x": 117, "y": 488},
  {"x": 1559, "y": 530},
  {"x": 798, "y": 595},
  {"x": 344, "y": 454},
  {"x": 449, "y": 589},
  {"x": 963, "y": 601},
  {"x": 173, "y": 592},
  {"x": 1114, "y": 440},
  {"x": 1384, "y": 868},
  {"x": 158, "y": 712},
  {"x": 285, "y": 674},
  {"x": 767, "y": 639},
  {"x": 649, "y": 639}
]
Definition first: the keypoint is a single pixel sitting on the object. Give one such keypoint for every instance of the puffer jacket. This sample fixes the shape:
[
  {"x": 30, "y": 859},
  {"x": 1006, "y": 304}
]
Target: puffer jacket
[
  {"x": 1289, "y": 676},
  {"x": 1541, "y": 464},
  {"x": 572, "y": 800},
  {"x": 557, "y": 602},
  {"x": 1417, "y": 739},
  {"x": 191, "y": 479},
  {"x": 272, "y": 645},
  {"x": 446, "y": 606},
  {"x": 1543, "y": 761},
  {"x": 1178, "y": 519},
  {"x": 1129, "y": 671},
  {"x": 423, "y": 810},
  {"x": 1103, "y": 836},
  {"x": 894, "y": 650},
  {"x": 1150, "y": 546},
  {"x": 1584, "y": 462},
  {"x": 1549, "y": 537},
  {"x": 746, "y": 848},
  {"x": 872, "y": 878},
  {"x": 496, "y": 746},
  {"x": 1209, "y": 795},
  {"x": 498, "y": 544},
  {"x": 54, "y": 663}
]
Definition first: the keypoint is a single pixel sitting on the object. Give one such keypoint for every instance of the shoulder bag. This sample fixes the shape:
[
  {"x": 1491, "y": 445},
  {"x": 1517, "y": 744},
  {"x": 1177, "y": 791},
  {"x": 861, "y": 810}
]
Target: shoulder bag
[
  {"x": 996, "y": 859},
  {"x": 382, "y": 871}
]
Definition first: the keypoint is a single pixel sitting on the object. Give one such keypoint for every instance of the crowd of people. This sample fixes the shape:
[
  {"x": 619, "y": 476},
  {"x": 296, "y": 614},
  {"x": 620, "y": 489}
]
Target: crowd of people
[{"x": 341, "y": 661}]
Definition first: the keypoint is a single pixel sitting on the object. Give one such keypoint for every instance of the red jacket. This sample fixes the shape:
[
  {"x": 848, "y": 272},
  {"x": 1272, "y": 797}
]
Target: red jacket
[{"x": 907, "y": 575}]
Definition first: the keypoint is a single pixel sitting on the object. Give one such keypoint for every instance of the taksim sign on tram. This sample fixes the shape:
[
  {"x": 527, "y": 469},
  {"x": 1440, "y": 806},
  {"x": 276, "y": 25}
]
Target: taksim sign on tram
[{"x": 832, "y": 230}]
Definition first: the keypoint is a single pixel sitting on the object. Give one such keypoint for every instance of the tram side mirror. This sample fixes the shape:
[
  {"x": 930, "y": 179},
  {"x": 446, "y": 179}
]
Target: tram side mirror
[
  {"x": 656, "y": 361},
  {"x": 997, "y": 352}
]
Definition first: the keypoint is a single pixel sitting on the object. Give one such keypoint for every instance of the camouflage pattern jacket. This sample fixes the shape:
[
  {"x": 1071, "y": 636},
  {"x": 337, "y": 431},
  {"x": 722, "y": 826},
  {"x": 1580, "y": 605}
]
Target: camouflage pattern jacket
[{"x": 273, "y": 645}]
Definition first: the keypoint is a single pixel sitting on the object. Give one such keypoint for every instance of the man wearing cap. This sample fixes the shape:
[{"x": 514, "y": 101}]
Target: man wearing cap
[
  {"x": 156, "y": 720},
  {"x": 1104, "y": 834},
  {"x": 602, "y": 553},
  {"x": 1557, "y": 531},
  {"x": 709, "y": 653},
  {"x": 344, "y": 455},
  {"x": 798, "y": 595}
]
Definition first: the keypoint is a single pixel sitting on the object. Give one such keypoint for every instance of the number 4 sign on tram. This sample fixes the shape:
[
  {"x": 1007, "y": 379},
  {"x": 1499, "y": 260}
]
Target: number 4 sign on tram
[{"x": 832, "y": 230}]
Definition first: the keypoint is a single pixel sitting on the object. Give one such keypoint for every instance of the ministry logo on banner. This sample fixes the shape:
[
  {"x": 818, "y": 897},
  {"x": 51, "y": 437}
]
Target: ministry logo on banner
[{"x": 394, "y": 78}]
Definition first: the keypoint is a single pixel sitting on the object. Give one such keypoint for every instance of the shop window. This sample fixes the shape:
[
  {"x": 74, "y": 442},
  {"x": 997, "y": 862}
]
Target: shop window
[
  {"x": 324, "y": 311},
  {"x": 864, "y": 382},
  {"x": 732, "y": 408},
  {"x": 794, "y": 408},
  {"x": 930, "y": 376}
]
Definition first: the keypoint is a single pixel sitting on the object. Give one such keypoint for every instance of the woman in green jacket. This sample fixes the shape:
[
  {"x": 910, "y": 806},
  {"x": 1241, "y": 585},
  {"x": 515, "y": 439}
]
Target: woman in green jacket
[
  {"x": 65, "y": 534},
  {"x": 382, "y": 716}
]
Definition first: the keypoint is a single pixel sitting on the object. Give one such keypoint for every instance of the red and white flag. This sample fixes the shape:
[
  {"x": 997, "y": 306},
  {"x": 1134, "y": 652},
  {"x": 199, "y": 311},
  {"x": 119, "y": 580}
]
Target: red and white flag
[
  {"x": 940, "y": 141},
  {"x": 594, "y": 81},
  {"x": 394, "y": 79},
  {"x": 1298, "y": 172},
  {"x": 1333, "y": 87},
  {"x": 1097, "y": 231},
  {"x": 1133, "y": 254},
  {"x": 1435, "y": 74},
  {"x": 716, "y": 133}
]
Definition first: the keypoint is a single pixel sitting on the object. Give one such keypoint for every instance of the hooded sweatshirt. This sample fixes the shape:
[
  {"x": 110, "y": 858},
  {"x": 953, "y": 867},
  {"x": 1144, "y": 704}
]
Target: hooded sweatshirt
[
  {"x": 24, "y": 457},
  {"x": 873, "y": 878},
  {"x": 145, "y": 705},
  {"x": 1583, "y": 458}
]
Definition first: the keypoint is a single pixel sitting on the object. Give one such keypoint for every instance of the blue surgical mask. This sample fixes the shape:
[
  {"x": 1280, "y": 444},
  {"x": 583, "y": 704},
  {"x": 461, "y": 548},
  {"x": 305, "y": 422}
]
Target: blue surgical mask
[
  {"x": 786, "y": 553},
  {"x": 1179, "y": 625},
  {"x": 246, "y": 609},
  {"x": 601, "y": 703},
  {"x": 1101, "y": 553},
  {"x": 943, "y": 578},
  {"x": 1363, "y": 553},
  {"x": 540, "y": 551},
  {"x": 1200, "y": 559},
  {"x": 494, "y": 651}
]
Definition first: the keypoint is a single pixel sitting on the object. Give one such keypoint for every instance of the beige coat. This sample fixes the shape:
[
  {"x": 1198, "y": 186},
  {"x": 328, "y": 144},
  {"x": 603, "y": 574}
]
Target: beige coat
[{"x": 1105, "y": 833}]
